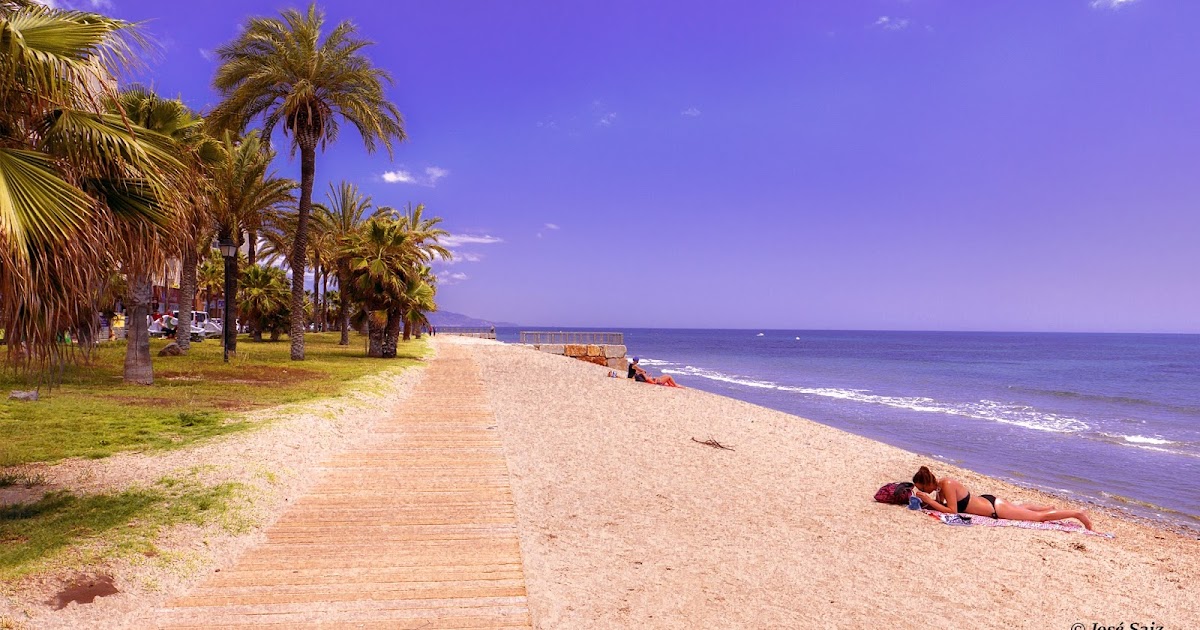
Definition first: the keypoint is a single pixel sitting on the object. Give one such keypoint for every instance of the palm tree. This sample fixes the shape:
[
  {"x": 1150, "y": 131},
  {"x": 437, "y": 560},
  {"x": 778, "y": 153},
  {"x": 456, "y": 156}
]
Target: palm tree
[
  {"x": 424, "y": 235},
  {"x": 211, "y": 276},
  {"x": 244, "y": 191},
  {"x": 281, "y": 70},
  {"x": 341, "y": 218},
  {"x": 70, "y": 170},
  {"x": 378, "y": 257},
  {"x": 145, "y": 245},
  {"x": 264, "y": 300}
]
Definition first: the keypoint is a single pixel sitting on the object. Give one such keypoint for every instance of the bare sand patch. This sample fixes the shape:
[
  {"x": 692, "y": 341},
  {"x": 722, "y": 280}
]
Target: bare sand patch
[{"x": 626, "y": 522}]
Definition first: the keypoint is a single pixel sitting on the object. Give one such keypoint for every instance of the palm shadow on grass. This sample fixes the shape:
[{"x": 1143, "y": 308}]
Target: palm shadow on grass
[{"x": 114, "y": 524}]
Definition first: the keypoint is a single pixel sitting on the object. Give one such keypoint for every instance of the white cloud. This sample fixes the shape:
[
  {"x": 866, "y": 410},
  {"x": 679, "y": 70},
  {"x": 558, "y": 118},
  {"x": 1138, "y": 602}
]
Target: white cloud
[
  {"x": 551, "y": 226},
  {"x": 690, "y": 112},
  {"x": 398, "y": 177},
  {"x": 891, "y": 23},
  {"x": 84, "y": 5},
  {"x": 403, "y": 176},
  {"x": 452, "y": 278},
  {"x": 607, "y": 119},
  {"x": 459, "y": 257},
  {"x": 458, "y": 240},
  {"x": 1110, "y": 4},
  {"x": 207, "y": 54}
]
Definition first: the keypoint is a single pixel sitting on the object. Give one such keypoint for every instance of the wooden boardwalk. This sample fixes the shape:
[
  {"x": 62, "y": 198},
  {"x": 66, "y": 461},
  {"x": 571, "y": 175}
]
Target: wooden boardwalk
[{"x": 415, "y": 529}]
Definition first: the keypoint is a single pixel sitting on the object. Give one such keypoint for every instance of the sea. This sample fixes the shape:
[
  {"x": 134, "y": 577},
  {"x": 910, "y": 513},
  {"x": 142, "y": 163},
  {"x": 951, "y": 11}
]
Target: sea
[{"x": 1112, "y": 419}]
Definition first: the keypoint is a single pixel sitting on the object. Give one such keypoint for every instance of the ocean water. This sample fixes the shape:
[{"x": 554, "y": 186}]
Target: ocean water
[{"x": 1112, "y": 418}]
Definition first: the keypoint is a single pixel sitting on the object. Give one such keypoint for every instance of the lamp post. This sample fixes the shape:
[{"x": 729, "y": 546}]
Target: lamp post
[{"x": 228, "y": 251}]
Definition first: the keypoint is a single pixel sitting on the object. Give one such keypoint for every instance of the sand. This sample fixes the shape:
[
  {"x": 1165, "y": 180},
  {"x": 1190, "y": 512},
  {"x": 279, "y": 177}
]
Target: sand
[{"x": 626, "y": 522}]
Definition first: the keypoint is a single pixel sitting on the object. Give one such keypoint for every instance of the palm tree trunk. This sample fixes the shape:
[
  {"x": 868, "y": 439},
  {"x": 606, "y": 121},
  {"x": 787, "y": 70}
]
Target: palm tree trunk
[
  {"x": 251, "y": 246},
  {"x": 187, "y": 297},
  {"x": 308, "y": 168},
  {"x": 318, "y": 318},
  {"x": 230, "y": 317},
  {"x": 375, "y": 330},
  {"x": 138, "y": 368},
  {"x": 343, "y": 273},
  {"x": 325, "y": 301},
  {"x": 391, "y": 333},
  {"x": 407, "y": 329}
]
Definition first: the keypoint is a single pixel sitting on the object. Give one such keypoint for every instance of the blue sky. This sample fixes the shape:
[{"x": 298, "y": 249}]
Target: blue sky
[{"x": 879, "y": 164}]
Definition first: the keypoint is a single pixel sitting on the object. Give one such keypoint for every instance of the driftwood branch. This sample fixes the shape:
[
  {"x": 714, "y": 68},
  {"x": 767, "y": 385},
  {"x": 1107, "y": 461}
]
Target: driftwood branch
[{"x": 713, "y": 443}]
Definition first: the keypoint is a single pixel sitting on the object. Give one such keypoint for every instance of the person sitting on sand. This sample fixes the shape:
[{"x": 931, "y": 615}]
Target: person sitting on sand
[
  {"x": 953, "y": 498},
  {"x": 638, "y": 374}
]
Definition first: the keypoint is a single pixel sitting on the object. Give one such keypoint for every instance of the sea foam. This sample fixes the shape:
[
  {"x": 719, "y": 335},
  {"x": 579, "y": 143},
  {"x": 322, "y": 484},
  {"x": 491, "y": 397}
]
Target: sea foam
[{"x": 1018, "y": 415}]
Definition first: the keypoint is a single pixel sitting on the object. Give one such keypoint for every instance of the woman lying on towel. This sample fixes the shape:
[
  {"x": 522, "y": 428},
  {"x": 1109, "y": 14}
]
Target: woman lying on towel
[
  {"x": 953, "y": 497},
  {"x": 642, "y": 376}
]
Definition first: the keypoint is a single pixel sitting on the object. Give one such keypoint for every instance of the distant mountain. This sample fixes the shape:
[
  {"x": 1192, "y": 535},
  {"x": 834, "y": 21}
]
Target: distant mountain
[{"x": 446, "y": 318}]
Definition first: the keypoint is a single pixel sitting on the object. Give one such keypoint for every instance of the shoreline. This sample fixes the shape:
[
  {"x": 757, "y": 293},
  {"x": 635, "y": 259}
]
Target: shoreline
[
  {"x": 1167, "y": 523},
  {"x": 626, "y": 522}
]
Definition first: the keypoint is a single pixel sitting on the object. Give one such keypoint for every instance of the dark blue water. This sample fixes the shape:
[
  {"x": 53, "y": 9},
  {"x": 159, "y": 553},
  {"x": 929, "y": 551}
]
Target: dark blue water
[{"x": 1114, "y": 418}]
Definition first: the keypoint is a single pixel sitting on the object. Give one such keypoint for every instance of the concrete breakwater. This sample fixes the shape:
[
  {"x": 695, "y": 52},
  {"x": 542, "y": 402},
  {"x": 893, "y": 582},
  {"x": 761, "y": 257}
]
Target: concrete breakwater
[{"x": 608, "y": 355}]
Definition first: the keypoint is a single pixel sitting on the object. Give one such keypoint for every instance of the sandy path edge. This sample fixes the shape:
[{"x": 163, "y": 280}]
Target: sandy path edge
[
  {"x": 274, "y": 464},
  {"x": 625, "y": 522}
]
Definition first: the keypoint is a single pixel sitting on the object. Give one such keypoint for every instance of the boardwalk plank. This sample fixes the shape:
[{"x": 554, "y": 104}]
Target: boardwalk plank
[{"x": 414, "y": 529}]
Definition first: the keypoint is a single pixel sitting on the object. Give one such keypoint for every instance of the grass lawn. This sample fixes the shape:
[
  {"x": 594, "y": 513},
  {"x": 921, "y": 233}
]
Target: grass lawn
[
  {"x": 92, "y": 413},
  {"x": 69, "y": 530}
]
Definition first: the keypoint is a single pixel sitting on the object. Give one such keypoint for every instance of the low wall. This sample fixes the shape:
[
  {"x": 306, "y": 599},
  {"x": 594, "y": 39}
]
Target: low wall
[{"x": 610, "y": 356}]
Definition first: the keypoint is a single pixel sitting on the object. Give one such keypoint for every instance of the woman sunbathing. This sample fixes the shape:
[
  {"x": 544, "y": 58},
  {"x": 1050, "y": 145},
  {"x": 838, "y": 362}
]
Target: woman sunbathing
[
  {"x": 953, "y": 497},
  {"x": 642, "y": 376}
]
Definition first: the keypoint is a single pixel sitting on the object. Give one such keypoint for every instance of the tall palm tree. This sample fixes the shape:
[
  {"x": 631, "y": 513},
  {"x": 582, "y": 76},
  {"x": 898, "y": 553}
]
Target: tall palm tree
[
  {"x": 244, "y": 190},
  {"x": 341, "y": 218},
  {"x": 70, "y": 169},
  {"x": 144, "y": 246},
  {"x": 281, "y": 70}
]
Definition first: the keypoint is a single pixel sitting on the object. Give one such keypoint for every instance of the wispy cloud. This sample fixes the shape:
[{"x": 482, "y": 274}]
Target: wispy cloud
[
  {"x": 458, "y": 240},
  {"x": 460, "y": 257},
  {"x": 551, "y": 226},
  {"x": 78, "y": 5},
  {"x": 1110, "y": 4},
  {"x": 891, "y": 23},
  {"x": 690, "y": 112},
  {"x": 452, "y": 278},
  {"x": 547, "y": 227},
  {"x": 607, "y": 119},
  {"x": 207, "y": 54},
  {"x": 429, "y": 178}
]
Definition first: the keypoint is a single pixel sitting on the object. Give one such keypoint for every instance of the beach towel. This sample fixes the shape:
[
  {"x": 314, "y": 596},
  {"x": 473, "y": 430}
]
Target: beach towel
[{"x": 985, "y": 521}]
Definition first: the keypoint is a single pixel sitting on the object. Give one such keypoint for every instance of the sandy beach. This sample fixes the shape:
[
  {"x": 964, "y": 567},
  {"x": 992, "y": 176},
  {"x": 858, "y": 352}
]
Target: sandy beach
[{"x": 626, "y": 522}]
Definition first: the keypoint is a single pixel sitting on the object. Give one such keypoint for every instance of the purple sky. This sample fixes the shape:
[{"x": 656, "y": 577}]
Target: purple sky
[{"x": 882, "y": 164}]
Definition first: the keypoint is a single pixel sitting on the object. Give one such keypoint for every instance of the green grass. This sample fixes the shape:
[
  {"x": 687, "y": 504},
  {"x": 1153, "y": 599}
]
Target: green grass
[
  {"x": 92, "y": 413},
  {"x": 63, "y": 528}
]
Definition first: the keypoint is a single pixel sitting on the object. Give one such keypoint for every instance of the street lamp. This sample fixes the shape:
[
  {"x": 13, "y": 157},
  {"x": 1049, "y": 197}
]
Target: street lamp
[{"x": 228, "y": 251}]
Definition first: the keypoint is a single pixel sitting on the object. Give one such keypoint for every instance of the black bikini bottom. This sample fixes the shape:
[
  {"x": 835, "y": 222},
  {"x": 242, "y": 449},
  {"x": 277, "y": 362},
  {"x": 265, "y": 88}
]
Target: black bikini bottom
[{"x": 991, "y": 499}]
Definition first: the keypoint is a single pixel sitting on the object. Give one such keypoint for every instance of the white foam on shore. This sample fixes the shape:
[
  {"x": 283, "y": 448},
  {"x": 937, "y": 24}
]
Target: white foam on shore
[
  {"x": 1018, "y": 415},
  {"x": 1141, "y": 439}
]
